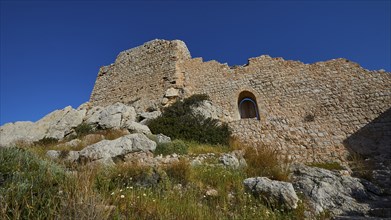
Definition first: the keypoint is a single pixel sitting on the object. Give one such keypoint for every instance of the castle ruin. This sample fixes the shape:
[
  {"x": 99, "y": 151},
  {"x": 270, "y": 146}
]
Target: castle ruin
[{"x": 309, "y": 112}]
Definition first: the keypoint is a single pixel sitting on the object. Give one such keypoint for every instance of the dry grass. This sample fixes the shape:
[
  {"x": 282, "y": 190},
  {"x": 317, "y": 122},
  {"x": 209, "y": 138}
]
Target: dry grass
[
  {"x": 174, "y": 191},
  {"x": 327, "y": 166},
  {"x": 263, "y": 160},
  {"x": 361, "y": 167},
  {"x": 197, "y": 149},
  {"x": 111, "y": 134},
  {"x": 179, "y": 172}
]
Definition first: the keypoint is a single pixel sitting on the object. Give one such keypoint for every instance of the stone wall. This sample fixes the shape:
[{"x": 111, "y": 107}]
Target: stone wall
[
  {"x": 141, "y": 76},
  {"x": 307, "y": 112}
]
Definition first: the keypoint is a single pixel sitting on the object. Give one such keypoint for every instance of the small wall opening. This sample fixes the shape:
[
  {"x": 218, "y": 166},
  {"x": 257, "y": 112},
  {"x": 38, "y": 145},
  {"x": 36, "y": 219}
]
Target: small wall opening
[{"x": 247, "y": 104}]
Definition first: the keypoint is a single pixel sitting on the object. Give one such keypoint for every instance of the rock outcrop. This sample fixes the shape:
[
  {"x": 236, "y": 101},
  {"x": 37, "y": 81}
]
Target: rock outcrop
[
  {"x": 329, "y": 191},
  {"x": 106, "y": 151},
  {"x": 61, "y": 123},
  {"x": 274, "y": 192},
  {"x": 57, "y": 125}
]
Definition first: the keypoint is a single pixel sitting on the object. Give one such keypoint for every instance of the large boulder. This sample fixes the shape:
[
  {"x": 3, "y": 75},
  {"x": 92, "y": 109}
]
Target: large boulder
[
  {"x": 274, "y": 192},
  {"x": 116, "y": 116},
  {"x": 330, "y": 191},
  {"x": 107, "y": 151},
  {"x": 57, "y": 124},
  {"x": 93, "y": 115},
  {"x": 62, "y": 125},
  {"x": 135, "y": 127},
  {"x": 113, "y": 116},
  {"x": 19, "y": 131},
  {"x": 233, "y": 160}
]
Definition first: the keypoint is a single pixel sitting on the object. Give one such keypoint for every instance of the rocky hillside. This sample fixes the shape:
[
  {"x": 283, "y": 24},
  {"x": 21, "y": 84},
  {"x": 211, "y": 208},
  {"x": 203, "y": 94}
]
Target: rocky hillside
[{"x": 118, "y": 136}]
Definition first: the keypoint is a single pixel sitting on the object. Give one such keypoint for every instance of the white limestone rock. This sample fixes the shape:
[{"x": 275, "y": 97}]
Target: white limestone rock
[
  {"x": 276, "y": 192},
  {"x": 135, "y": 127},
  {"x": 93, "y": 115},
  {"x": 63, "y": 125},
  {"x": 172, "y": 92},
  {"x": 328, "y": 190},
  {"x": 19, "y": 131},
  {"x": 57, "y": 124},
  {"x": 116, "y": 116},
  {"x": 161, "y": 139},
  {"x": 107, "y": 150}
]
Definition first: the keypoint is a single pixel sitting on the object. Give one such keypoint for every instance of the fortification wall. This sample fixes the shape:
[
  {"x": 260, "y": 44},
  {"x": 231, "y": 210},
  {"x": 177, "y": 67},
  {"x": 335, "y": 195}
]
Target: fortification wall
[
  {"x": 141, "y": 76},
  {"x": 308, "y": 112}
]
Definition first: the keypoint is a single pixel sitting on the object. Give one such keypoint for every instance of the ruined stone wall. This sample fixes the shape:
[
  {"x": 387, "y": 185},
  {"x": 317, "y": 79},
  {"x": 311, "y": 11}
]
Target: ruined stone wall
[
  {"x": 307, "y": 112},
  {"x": 141, "y": 76}
]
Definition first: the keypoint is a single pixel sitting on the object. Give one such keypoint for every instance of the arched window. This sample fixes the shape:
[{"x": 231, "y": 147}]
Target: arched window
[{"x": 247, "y": 105}]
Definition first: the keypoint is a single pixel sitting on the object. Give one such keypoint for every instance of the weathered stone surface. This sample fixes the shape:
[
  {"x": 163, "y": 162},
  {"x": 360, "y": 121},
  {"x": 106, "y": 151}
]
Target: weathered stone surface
[
  {"x": 19, "y": 131},
  {"x": 327, "y": 190},
  {"x": 56, "y": 125},
  {"x": 116, "y": 116},
  {"x": 161, "y": 139},
  {"x": 275, "y": 192},
  {"x": 105, "y": 151},
  {"x": 171, "y": 92},
  {"x": 93, "y": 115},
  {"x": 135, "y": 127},
  {"x": 229, "y": 161},
  {"x": 145, "y": 117},
  {"x": 53, "y": 154},
  {"x": 73, "y": 143}
]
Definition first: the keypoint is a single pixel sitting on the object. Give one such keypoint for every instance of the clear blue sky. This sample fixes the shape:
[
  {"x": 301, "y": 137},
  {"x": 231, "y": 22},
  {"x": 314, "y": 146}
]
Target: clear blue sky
[{"x": 51, "y": 51}]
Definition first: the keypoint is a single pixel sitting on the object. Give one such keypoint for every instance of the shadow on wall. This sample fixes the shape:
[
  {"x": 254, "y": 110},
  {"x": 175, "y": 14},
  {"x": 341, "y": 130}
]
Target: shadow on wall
[{"x": 374, "y": 139}]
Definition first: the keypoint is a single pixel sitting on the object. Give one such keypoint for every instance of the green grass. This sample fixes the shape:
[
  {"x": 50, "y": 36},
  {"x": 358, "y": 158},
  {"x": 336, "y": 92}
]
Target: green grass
[
  {"x": 32, "y": 187},
  {"x": 327, "y": 166}
]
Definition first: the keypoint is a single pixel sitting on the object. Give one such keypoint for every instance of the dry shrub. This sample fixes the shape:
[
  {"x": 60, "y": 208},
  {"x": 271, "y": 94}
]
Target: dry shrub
[
  {"x": 80, "y": 200},
  {"x": 265, "y": 161},
  {"x": 361, "y": 167},
  {"x": 111, "y": 134},
  {"x": 179, "y": 172}
]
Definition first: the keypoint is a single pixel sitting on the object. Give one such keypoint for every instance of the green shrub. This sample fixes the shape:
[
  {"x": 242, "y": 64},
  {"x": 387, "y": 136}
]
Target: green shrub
[
  {"x": 83, "y": 129},
  {"x": 178, "y": 121},
  {"x": 176, "y": 146},
  {"x": 29, "y": 186}
]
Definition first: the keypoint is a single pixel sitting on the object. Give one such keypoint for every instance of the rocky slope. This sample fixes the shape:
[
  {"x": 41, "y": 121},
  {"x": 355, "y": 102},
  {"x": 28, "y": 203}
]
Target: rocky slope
[{"x": 325, "y": 191}]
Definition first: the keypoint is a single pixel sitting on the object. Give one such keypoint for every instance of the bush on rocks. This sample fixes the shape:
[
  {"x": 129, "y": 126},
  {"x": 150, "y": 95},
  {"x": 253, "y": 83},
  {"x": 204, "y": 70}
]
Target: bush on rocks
[{"x": 179, "y": 121}]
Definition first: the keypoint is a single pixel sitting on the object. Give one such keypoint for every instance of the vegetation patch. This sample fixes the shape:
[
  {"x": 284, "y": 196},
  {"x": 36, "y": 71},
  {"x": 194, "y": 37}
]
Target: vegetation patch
[
  {"x": 179, "y": 121},
  {"x": 264, "y": 161},
  {"x": 46, "y": 141},
  {"x": 327, "y": 166},
  {"x": 179, "y": 172},
  {"x": 177, "y": 146},
  {"x": 83, "y": 129},
  {"x": 361, "y": 167}
]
